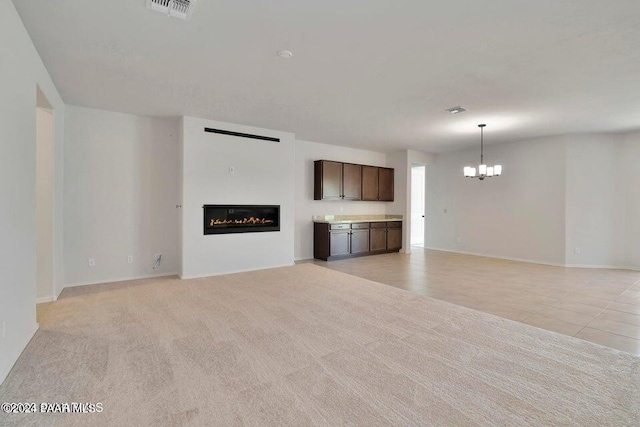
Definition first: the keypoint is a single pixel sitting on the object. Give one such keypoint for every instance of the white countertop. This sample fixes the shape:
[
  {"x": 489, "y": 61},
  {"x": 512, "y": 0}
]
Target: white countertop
[{"x": 352, "y": 221}]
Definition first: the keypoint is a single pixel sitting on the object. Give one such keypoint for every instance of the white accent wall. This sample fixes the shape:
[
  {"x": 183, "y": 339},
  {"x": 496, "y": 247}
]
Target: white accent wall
[
  {"x": 263, "y": 174},
  {"x": 21, "y": 71},
  {"x": 122, "y": 185},
  {"x": 306, "y": 207}
]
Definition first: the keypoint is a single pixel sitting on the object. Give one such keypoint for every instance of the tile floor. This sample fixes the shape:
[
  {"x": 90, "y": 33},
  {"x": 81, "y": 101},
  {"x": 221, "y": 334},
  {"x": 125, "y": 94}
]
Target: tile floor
[{"x": 598, "y": 305}]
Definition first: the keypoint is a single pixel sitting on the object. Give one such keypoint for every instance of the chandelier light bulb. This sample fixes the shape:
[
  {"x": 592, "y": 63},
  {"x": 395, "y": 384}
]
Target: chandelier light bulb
[{"x": 484, "y": 171}]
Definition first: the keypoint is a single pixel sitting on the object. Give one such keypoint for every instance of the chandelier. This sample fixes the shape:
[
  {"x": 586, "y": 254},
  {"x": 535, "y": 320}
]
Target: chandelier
[{"x": 483, "y": 170}]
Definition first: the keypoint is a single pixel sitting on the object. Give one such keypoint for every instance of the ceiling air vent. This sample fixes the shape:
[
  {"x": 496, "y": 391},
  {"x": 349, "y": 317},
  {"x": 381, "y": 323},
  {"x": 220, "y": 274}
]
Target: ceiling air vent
[{"x": 179, "y": 8}]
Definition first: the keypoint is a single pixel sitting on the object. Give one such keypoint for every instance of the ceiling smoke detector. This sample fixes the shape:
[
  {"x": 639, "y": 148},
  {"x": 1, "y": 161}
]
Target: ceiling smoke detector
[
  {"x": 456, "y": 110},
  {"x": 285, "y": 54},
  {"x": 179, "y": 8}
]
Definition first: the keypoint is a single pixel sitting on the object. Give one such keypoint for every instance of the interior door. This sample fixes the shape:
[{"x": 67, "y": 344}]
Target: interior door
[{"x": 417, "y": 205}]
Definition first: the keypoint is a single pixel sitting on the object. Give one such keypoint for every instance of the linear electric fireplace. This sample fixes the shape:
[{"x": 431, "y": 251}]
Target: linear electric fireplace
[{"x": 223, "y": 219}]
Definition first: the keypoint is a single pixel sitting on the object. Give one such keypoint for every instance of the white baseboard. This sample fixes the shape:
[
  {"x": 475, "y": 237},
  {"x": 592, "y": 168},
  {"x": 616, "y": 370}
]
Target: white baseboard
[
  {"x": 531, "y": 261},
  {"x": 4, "y": 371},
  {"x": 200, "y": 276},
  {"x": 612, "y": 267},
  {"x": 120, "y": 279},
  {"x": 42, "y": 300}
]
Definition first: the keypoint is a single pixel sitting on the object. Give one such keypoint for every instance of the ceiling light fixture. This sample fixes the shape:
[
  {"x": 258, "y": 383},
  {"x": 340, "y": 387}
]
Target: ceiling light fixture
[
  {"x": 483, "y": 170},
  {"x": 285, "y": 54},
  {"x": 455, "y": 110}
]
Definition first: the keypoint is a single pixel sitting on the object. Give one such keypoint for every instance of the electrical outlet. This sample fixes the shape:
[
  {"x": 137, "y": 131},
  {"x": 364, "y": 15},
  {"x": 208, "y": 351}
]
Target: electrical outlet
[
  {"x": 577, "y": 250},
  {"x": 445, "y": 210},
  {"x": 130, "y": 259},
  {"x": 91, "y": 262}
]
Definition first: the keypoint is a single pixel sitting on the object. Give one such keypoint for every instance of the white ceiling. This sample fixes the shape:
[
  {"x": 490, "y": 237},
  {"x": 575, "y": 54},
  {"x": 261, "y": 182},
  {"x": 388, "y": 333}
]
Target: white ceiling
[{"x": 365, "y": 73}]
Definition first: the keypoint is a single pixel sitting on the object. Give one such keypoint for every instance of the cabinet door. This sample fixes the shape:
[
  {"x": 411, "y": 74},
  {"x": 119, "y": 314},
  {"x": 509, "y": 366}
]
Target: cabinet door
[
  {"x": 378, "y": 239},
  {"x": 394, "y": 238},
  {"x": 339, "y": 242},
  {"x": 328, "y": 180},
  {"x": 385, "y": 184},
  {"x": 369, "y": 183},
  {"x": 351, "y": 181},
  {"x": 359, "y": 241}
]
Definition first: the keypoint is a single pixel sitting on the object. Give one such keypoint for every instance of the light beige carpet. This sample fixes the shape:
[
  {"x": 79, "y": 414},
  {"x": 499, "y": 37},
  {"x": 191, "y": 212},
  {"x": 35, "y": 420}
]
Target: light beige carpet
[{"x": 305, "y": 345}]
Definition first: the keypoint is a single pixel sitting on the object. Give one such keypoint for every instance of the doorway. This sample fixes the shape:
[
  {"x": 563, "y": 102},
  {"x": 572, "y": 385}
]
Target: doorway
[
  {"x": 418, "y": 178},
  {"x": 44, "y": 198}
]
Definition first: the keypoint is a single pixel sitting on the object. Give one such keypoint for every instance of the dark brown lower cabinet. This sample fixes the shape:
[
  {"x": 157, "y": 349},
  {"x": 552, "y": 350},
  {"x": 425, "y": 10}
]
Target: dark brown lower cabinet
[
  {"x": 340, "y": 242},
  {"x": 337, "y": 241},
  {"x": 359, "y": 241},
  {"x": 378, "y": 240},
  {"x": 394, "y": 238}
]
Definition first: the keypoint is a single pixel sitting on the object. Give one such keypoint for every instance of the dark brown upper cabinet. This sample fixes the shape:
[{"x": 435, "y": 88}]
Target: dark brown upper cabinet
[
  {"x": 370, "y": 183},
  {"x": 385, "y": 184},
  {"x": 351, "y": 181},
  {"x": 328, "y": 180},
  {"x": 348, "y": 181},
  {"x": 377, "y": 184}
]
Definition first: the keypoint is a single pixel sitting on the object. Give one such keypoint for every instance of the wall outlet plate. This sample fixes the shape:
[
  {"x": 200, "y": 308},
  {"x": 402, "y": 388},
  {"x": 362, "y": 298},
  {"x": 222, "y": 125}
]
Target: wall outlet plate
[
  {"x": 577, "y": 250},
  {"x": 91, "y": 262},
  {"x": 130, "y": 259}
]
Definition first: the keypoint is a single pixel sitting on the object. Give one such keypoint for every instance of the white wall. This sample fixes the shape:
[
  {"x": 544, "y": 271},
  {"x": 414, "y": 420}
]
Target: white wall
[
  {"x": 306, "y": 207},
  {"x": 401, "y": 204},
  {"x": 595, "y": 215},
  {"x": 45, "y": 139},
  {"x": 519, "y": 215},
  {"x": 122, "y": 179},
  {"x": 402, "y": 161},
  {"x": 556, "y": 194},
  {"x": 629, "y": 185},
  {"x": 264, "y": 174},
  {"x": 20, "y": 72}
]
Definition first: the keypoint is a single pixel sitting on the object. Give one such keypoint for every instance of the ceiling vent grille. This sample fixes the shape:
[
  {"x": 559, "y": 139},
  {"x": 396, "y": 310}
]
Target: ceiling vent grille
[{"x": 179, "y": 8}]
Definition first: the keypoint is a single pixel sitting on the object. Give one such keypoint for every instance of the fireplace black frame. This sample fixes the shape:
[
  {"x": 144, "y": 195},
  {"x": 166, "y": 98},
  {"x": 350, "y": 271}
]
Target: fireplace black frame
[{"x": 223, "y": 229}]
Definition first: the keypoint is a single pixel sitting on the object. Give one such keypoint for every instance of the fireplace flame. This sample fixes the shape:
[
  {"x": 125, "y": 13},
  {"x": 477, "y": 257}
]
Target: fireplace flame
[{"x": 249, "y": 221}]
